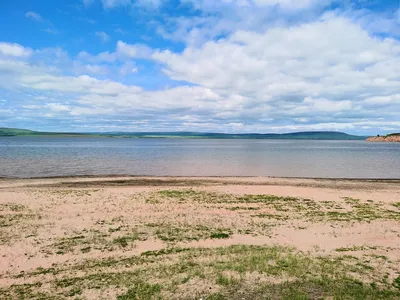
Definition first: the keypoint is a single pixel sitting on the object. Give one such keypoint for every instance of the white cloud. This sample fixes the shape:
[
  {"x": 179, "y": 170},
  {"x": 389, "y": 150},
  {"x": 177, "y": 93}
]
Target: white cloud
[
  {"x": 301, "y": 61},
  {"x": 383, "y": 100},
  {"x": 94, "y": 69},
  {"x": 293, "y": 4},
  {"x": 80, "y": 84},
  {"x": 326, "y": 74},
  {"x": 216, "y": 19},
  {"x": 133, "y": 51},
  {"x": 12, "y": 49},
  {"x": 57, "y": 107},
  {"x": 122, "y": 52},
  {"x": 34, "y": 16},
  {"x": 211, "y": 5},
  {"x": 128, "y": 68},
  {"x": 325, "y": 105},
  {"x": 104, "y": 37}
]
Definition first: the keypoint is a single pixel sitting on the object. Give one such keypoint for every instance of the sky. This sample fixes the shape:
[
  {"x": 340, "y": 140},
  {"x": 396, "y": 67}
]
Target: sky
[{"x": 231, "y": 66}]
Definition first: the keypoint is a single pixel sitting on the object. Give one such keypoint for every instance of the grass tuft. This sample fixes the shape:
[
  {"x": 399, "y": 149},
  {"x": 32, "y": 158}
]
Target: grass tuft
[{"x": 143, "y": 291}]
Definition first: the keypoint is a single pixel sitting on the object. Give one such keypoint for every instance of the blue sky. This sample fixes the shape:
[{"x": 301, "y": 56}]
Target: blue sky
[{"x": 200, "y": 65}]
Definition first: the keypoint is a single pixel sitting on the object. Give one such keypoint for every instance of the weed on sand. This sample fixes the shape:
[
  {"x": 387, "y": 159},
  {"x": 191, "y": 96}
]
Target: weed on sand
[
  {"x": 283, "y": 208},
  {"x": 88, "y": 240},
  {"x": 172, "y": 233},
  {"x": 235, "y": 272},
  {"x": 16, "y": 218}
]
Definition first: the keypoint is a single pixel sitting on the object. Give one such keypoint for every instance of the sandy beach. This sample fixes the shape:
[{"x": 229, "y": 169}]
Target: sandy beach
[{"x": 199, "y": 238}]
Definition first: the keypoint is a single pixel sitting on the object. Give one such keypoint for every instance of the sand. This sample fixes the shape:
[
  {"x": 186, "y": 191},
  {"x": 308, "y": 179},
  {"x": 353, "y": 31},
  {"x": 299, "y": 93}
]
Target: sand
[{"x": 64, "y": 222}]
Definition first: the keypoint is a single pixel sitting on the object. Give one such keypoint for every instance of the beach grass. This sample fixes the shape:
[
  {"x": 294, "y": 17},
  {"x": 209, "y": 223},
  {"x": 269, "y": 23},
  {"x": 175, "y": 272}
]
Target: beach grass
[
  {"x": 195, "y": 243},
  {"x": 234, "y": 272}
]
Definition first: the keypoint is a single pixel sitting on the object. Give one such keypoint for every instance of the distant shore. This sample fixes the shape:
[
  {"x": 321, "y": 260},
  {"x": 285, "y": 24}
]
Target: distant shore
[
  {"x": 311, "y": 135},
  {"x": 392, "y": 138}
]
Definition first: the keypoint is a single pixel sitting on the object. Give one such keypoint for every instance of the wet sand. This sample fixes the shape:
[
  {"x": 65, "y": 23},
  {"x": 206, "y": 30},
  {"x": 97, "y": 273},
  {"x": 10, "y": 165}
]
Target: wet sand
[{"x": 54, "y": 224}]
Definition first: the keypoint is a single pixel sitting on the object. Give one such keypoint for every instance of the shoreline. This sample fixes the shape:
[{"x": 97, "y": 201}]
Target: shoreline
[
  {"x": 116, "y": 181},
  {"x": 124, "y": 176}
]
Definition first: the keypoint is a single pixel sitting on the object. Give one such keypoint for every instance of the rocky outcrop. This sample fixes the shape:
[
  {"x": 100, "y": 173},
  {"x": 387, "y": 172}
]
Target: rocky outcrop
[{"x": 389, "y": 138}]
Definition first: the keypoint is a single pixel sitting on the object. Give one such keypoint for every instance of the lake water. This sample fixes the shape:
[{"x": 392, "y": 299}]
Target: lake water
[{"x": 53, "y": 156}]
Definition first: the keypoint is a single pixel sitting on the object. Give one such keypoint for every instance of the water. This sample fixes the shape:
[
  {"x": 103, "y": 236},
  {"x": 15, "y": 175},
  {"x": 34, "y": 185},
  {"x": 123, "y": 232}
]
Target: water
[{"x": 52, "y": 156}]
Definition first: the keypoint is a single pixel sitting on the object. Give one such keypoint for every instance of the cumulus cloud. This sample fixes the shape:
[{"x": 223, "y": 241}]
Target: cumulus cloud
[
  {"x": 390, "y": 100},
  {"x": 214, "y": 19},
  {"x": 321, "y": 71},
  {"x": 292, "y": 63},
  {"x": 133, "y": 51},
  {"x": 79, "y": 84},
  {"x": 128, "y": 68},
  {"x": 210, "y": 5},
  {"x": 12, "y": 49},
  {"x": 94, "y": 69},
  {"x": 57, "y": 107},
  {"x": 293, "y": 4},
  {"x": 122, "y": 51}
]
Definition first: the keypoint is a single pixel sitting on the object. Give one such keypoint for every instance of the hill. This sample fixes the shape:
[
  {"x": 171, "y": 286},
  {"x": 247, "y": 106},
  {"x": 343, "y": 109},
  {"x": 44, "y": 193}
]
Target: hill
[
  {"x": 313, "y": 135},
  {"x": 15, "y": 131}
]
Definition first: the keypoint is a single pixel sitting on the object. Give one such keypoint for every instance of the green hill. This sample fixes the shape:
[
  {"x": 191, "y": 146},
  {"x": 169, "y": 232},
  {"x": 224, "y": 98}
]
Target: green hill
[
  {"x": 15, "y": 132},
  {"x": 313, "y": 135}
]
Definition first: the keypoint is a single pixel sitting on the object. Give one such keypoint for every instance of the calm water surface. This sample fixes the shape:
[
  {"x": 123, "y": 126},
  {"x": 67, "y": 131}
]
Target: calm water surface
[{"x": 52, "y": 156}]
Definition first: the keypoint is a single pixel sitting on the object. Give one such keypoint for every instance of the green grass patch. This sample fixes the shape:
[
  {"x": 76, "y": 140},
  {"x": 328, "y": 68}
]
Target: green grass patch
[
  {"x": 284, "y": 208},
  {"x": 142, "y": 290},
  {"x": 228, "y": 270},
  {"x": 355, "y": 248},
  {"x": 8, "y": 220},
  {"x": 235, "y": 208},
  {"x": 225, "y": 280},
  {"x": 173, "y": 233},
  {"x": 12, "y": 207},
  {"x": 396, "y": 282},
  {"x": 220, "y": 235}
]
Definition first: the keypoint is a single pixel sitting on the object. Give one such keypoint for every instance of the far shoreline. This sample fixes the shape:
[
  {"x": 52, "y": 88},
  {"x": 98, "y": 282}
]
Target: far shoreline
[{"x": 128, "y": 176}]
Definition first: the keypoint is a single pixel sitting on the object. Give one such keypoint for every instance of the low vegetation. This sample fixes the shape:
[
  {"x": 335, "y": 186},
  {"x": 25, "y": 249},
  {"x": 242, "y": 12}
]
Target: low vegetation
[
  {"x": 15, "y": 218},
  {"x": 193, "y": 230},
  {"x": 236, "y": 272},
  {"x": 283, "y": 208}
]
